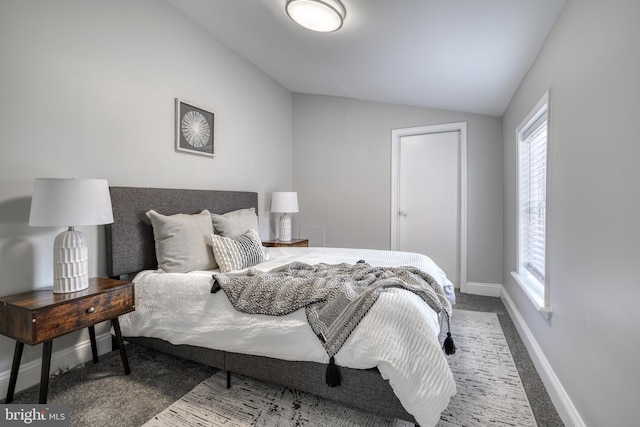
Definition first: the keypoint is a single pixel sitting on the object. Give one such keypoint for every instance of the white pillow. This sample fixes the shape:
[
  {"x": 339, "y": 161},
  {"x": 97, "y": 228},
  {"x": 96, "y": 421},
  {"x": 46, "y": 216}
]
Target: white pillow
[
  {"x": 236, "y": 253},
  {"x": 182, "y": 241},
  {"x": 235, "y": 223}
]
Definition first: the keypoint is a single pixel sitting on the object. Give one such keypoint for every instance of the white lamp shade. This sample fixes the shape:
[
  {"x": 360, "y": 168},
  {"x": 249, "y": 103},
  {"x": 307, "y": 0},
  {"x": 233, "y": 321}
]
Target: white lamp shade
[
  {"x": 284, "y": 202},
  {"x": 70, "y": 202}
]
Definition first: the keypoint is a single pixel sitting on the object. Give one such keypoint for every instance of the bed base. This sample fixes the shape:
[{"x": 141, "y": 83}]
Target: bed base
[{"x": 361, "y": 388}]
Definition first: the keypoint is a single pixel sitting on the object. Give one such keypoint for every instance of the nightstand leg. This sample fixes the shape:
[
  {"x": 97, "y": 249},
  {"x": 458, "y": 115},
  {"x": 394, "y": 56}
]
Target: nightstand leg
[
  {"x": 13, "y": 379},
  {"x": 94, "y": 346},
  {"x": 123, "y": 352},
  {"x": 44, "y": 374}
]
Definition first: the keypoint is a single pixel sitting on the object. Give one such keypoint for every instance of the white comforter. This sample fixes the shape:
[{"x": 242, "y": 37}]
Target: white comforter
[{"x": 399, "y": 335}]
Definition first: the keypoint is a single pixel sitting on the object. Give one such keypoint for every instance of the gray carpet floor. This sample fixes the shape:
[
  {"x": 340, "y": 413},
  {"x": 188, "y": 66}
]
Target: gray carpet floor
[{"x": 101, "y": 395}]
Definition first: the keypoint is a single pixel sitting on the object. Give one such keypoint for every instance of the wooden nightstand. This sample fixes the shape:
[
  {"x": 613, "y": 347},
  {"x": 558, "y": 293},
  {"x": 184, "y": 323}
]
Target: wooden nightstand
[
  {"x": 290, "y": 243},
  {"x": 39, "y": 316}
]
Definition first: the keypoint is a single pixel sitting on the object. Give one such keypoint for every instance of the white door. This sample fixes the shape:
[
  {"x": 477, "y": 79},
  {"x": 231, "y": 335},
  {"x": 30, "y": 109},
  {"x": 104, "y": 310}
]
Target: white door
[{"x": 427, "y": 197}]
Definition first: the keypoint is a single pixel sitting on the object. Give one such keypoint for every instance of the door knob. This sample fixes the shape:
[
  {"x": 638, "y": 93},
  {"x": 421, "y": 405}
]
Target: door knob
[{"x": 402, "y": 213}]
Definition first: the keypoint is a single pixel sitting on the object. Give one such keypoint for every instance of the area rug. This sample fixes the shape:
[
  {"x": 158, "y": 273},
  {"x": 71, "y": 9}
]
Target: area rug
[{"x": 489, "y": 392}]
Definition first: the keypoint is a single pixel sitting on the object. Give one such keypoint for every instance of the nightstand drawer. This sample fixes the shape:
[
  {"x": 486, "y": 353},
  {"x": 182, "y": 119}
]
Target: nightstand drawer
[{"x": 80, "y": 313}]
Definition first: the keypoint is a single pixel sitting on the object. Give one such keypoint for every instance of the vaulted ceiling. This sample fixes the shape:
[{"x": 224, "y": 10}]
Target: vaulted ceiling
[{"x": 461, "y": 55}]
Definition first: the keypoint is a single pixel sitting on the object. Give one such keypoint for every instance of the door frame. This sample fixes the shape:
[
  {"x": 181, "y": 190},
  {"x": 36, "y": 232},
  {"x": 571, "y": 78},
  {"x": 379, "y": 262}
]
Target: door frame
[{"x": 396, "y": 135}]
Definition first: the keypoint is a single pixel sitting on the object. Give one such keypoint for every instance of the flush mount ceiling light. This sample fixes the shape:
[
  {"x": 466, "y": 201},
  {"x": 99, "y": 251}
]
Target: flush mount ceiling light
[{"x": 323, "y": 16}]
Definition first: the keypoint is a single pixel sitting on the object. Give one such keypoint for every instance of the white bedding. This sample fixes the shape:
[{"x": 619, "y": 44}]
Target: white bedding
[{"x": 399, "y": 335}]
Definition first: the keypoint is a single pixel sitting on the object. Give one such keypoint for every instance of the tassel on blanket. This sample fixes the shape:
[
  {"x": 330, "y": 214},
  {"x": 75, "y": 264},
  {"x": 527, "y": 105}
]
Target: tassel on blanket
[
  {"x": 216, "y": 286},
  {"x": 333, "y": 377},
  {"x": 448, "y": 345}
]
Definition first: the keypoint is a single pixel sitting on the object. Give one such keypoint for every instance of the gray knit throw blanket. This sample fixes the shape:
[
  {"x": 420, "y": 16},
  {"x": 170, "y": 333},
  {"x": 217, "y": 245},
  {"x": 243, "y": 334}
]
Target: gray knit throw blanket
[{"x": 335, "y": 297}]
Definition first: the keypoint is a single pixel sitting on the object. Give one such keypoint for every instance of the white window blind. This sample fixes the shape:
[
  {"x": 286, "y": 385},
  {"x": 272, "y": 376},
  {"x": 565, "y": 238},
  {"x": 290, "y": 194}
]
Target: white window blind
[{"x": 533, "y": 188}]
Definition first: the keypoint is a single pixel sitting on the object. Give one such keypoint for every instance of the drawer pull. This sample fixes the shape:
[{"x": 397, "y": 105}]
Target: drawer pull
[{"x": 91, "y": 310}]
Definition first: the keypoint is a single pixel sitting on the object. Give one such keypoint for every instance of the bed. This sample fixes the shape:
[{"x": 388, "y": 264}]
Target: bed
[{"x": 198, "y": 325}]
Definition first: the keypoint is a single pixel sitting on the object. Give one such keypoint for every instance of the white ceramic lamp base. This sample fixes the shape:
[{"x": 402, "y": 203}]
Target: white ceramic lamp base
[
  {"x": 70, "y": 262},
  {"x": 285, "y": 228}
]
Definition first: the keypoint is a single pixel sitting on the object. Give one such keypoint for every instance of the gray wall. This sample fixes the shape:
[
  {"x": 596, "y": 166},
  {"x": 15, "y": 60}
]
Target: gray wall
[
  {"x": 590, "y": 62},
  {"x": 87, "y": 90},
  {"x": 342, "y": 173}
]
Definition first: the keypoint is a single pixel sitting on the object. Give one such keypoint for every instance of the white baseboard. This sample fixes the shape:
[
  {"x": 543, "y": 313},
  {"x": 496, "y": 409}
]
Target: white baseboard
[
  {"x": 561, "y": 400},
  {"x": 484, "y": 289},
  {"x": 29, "y": 373}
]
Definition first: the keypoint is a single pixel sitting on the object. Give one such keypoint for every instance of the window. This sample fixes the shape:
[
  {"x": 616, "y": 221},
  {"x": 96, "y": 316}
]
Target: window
[{"x": 532, "y": 205}]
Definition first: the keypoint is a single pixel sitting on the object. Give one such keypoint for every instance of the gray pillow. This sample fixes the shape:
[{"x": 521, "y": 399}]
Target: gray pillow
[
  {"x": 236, "y": 253},
  {"x": 235, "y": 223},
  {"x": 182, "y": 241}
]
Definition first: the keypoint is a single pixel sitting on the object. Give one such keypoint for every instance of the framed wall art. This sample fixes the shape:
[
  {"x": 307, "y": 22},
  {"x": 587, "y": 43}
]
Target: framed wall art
[{"x": 194, "y": 129}]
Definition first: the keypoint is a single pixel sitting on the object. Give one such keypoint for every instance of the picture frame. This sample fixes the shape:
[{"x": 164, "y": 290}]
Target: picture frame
[{"x": 194, "y": 129}]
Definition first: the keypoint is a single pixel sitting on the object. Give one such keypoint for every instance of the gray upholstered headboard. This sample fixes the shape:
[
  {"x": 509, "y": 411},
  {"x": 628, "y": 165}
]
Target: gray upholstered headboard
[{"x": 130, "y": 244}]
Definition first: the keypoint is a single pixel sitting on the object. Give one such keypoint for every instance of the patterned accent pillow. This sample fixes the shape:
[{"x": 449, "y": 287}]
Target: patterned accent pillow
[{"x": 236, "y": 253}]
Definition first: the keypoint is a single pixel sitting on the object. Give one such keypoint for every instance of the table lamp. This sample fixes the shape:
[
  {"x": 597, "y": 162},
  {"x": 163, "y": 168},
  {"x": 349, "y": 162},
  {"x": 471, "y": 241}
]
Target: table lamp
[
  {"x": 284, "y": 202},
  {"x": 70, "y": 202}
]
